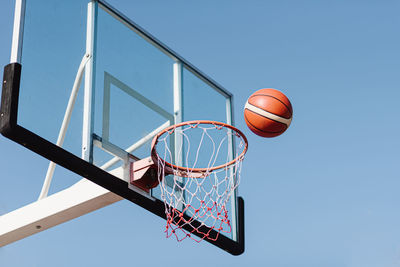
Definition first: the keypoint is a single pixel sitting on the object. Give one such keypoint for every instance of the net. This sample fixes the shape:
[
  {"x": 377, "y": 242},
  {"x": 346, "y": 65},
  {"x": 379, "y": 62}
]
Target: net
[{"x": 198, "y": 179}]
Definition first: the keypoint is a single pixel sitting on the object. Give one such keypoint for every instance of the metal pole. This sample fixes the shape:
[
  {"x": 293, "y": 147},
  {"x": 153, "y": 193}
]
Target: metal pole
[{"x": 65, "y": 123}]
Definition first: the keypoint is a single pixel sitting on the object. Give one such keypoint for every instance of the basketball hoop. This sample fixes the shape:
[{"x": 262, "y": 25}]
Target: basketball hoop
[{"x": 196, "y": 190}]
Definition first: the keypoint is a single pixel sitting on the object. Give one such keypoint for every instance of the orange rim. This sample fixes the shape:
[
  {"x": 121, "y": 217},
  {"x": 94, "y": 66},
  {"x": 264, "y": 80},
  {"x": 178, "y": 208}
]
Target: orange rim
[{"x": 217, "y": 124}]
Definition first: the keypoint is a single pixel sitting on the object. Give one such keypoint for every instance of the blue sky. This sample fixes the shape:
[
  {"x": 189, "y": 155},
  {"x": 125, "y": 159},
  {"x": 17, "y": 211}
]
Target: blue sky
[{"x": 323, "y": 194}]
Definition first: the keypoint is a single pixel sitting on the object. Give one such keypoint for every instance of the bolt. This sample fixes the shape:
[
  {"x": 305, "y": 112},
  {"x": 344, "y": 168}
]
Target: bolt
[{"x": 38, "y": 227}]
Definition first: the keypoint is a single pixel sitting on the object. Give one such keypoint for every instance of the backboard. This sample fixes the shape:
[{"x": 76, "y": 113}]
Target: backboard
[{"x": 87, "y": 87}]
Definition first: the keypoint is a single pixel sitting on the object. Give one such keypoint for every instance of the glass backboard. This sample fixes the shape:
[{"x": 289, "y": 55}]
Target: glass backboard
[{"x": 128, "y": 86}]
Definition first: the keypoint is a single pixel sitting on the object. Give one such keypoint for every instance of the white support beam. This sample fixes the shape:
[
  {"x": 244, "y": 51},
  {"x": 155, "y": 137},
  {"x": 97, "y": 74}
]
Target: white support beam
[{"x": 75, "y": 201}]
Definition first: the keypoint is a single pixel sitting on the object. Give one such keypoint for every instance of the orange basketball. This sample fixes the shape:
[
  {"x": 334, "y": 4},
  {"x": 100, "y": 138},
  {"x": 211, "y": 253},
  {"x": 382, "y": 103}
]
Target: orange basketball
[{"x": 268, "y": 112}]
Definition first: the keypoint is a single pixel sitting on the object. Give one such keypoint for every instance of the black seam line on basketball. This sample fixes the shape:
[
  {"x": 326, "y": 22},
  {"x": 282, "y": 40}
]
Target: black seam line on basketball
[
  {"x": 291, "y": 113},
  {"x": 267, "y": 117},
  {"x": 263, "y": 130}
]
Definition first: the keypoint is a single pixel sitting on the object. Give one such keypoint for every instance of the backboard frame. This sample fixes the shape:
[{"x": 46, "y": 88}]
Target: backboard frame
[{"x": 10, "y": 129}]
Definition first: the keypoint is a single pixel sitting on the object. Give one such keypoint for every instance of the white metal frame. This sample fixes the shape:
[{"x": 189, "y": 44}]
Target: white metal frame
[
  {"x": 178, "y": 117},
  {"x": 232, "y": 154},
  {"x": 18, "y": 32},
  {"x": 88, "y": 91}
]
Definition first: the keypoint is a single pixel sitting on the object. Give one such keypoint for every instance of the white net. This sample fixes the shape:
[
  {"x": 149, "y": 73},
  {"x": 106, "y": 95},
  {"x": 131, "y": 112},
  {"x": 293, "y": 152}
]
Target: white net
[{"x": 199, "y": 208}]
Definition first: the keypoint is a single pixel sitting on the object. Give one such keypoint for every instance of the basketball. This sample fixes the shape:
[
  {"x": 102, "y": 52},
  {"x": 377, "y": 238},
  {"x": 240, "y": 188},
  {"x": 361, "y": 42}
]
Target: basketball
[{"x": 268, "y": 112}]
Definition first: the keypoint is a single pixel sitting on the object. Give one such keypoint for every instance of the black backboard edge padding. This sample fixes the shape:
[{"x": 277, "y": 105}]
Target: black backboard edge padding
[{"x": 9, "y": 97}]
